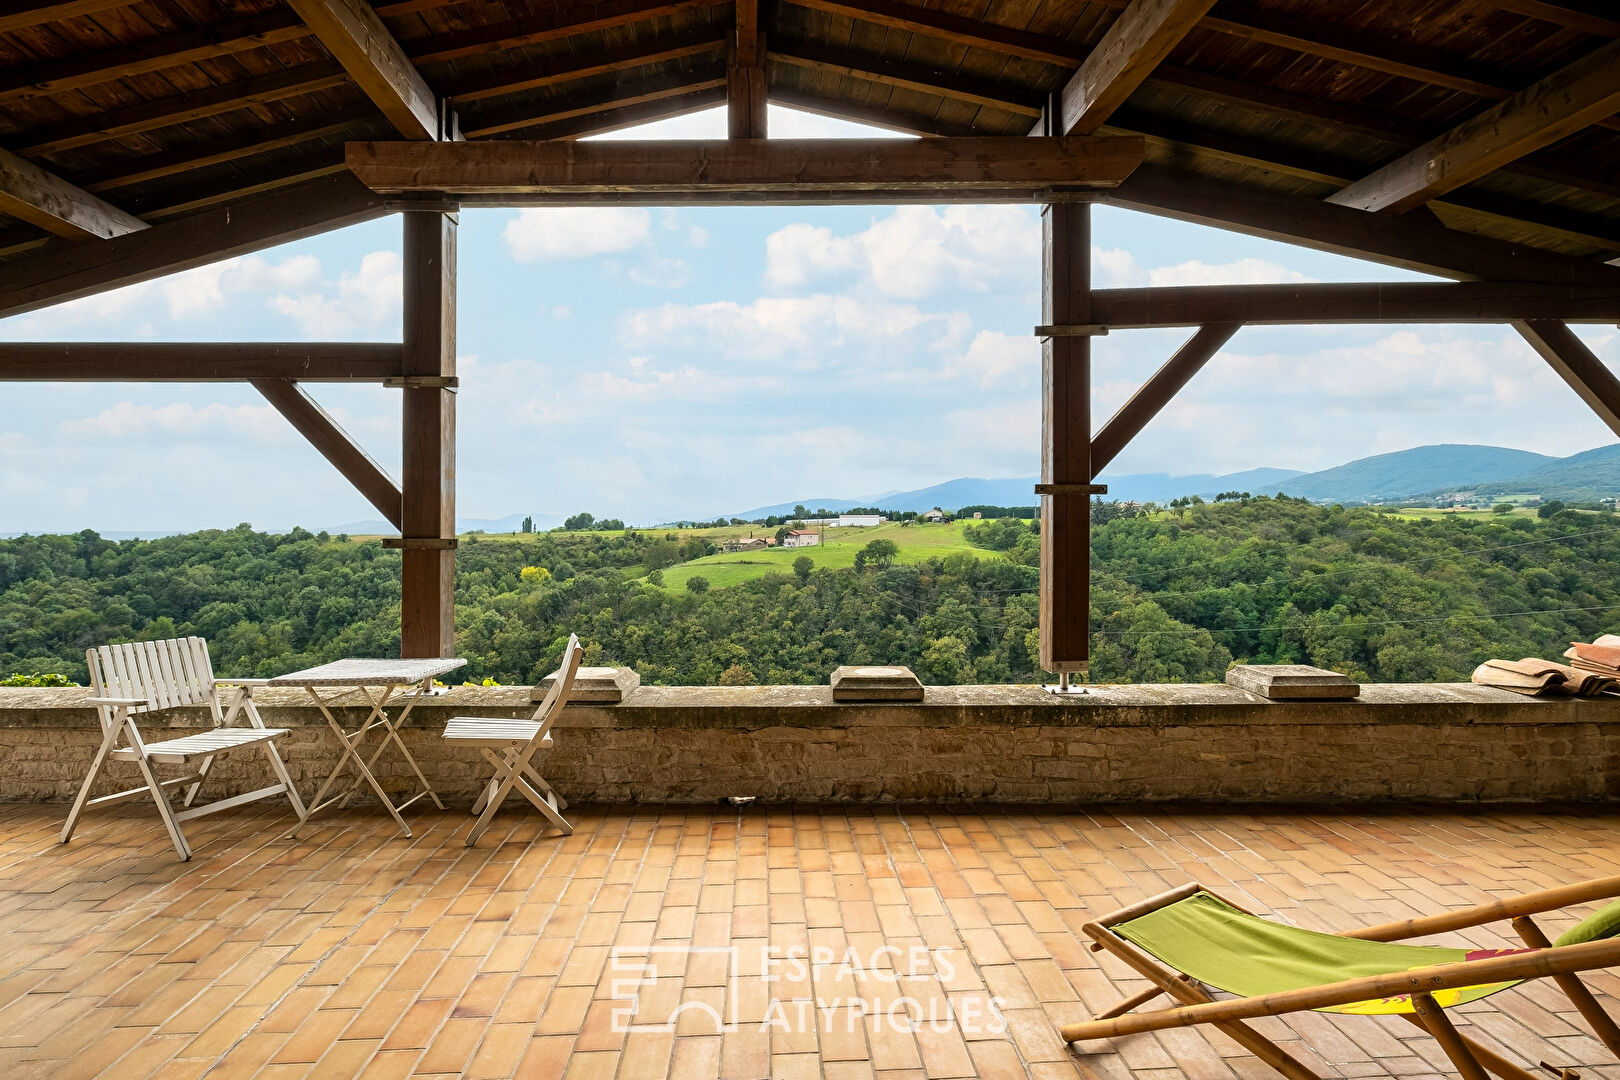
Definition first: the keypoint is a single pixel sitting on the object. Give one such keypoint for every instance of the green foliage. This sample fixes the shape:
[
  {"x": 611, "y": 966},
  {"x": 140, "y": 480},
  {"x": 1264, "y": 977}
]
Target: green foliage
[
  {"x": 880, "y": 554},
  {"x": 1502, "y": 508},
  {"x": 528, "y": 525},
  {"x": 579, "y": 522},
  {"x": 1549, "y": 508},
  {"x": 697, "y": 585},
  {"x": 37, "y": 679},
  {"x": 1176, "y": 596}
]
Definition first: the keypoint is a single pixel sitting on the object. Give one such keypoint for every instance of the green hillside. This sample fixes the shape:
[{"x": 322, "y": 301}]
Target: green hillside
[{"x": 917, "y": 541}]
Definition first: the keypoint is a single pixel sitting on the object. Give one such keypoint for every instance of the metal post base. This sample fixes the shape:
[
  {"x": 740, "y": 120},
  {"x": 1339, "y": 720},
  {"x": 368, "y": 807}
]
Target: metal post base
[{"x": 1065, "y": 687}]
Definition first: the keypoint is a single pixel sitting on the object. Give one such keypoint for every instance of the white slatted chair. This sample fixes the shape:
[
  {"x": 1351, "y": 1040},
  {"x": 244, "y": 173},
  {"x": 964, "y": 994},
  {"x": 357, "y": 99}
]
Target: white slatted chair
[
  {"x": 510, "y": 746},
  {"x": 151, "y": 676}
]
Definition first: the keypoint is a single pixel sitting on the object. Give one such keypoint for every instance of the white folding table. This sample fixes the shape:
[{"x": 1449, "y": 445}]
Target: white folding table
[{"x": 361, "y": 676}]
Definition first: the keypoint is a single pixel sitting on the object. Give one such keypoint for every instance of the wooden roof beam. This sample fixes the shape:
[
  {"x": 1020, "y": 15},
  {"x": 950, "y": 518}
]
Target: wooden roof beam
[
  {"x": 745, "y": 75},
  {"x": 355, "y": 36},
  {"x": 1559, "y": 105},
  {"x": 18, "y": 16},
  {"x": 316, "y": 425},
  {"x": 958, "y": 29},
  {"x": 484, "y": 125},
  {"x": 1372, "y": 302},
  {"x": 1155, "y": 394},
  {"x": 1413, "y": 242},
  {"x": 1587, "y": 16},
  {"x": 552, "y": 26},
  {"x": 1577, "y": 366},
  {"x": 71, "y": 271},
  {"x": 44, "y": 199},
  {"x": 697, "y": 42},
  {"x": 1139, "y": 40},
  {"x": 905, "y": 76},
  {"x": 617, "y": 117},
  {"x": 194, "y": 361},
  {"x": 505, "y": 173}
]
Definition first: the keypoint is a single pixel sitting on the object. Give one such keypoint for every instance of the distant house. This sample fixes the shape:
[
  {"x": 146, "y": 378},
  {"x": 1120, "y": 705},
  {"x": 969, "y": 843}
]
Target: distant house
[
  {"x": 936, "y": 514},
  {"x": 797, "y": 538},
  {"x": 978, "y": 515},
  {"x": 861, "y": 521},
  {"x": 747, "y": 543}
]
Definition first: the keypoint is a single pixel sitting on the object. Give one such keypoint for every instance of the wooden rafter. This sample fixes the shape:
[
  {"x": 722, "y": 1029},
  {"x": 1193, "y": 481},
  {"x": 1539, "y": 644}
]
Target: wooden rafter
[
  {"x": 906, "y": 76},
  {"x": 72, "y": 271},
  {"x": 191, "y": 361},
  {"x": 311, "y": 421},
  {"x": 484, "y": 125},
  {"x": 355, "y": 36},
  {"x": 958, "y": 29},
  {"x": 538, "y": 29},
  {"x": 44, "y": 199},
  {"x": 1139, "y": 40},
  {"x": 623, "y": 115},
  {"x": 1589, "y": 17},
  {"x": 635, "y": 54},
  {"x": 15, "y": 16},
  {"x": 745, "y": 74},
  {"x": 1409, "y": 241},
  {"x": 504, "y": 172},
  {"x": 1155, "y": 394},
  {"x": 1373, "y": 302},
  {"x": 1577, "y": 366},
  {"x": 1559, "y": 105}
]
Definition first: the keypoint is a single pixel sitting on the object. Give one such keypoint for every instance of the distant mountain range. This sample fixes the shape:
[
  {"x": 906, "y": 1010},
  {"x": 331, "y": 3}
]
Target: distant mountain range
[{"x": 1421, "y": 472}]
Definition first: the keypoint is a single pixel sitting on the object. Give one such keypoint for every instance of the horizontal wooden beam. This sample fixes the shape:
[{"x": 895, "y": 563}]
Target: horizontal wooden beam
[
  {"x": 1559, "y": 105},
  {"x": 1156, "y": 393},
  {"x": 192, "y": 361},
  {"x": 355, "y": 36},
  {"x": 44, "y": 199},
  {"x": 311, "y": 421},
  {"x": 1578, "y": 366},
  {"x": 1139, "y": 40},
  {"x": 1587, "y": 16},
  {"x": 1408, "y": 241},
  {"x": 1375, "y": 302},
  {"x": 75, "y": 270},
  {"x": 510, "y": 171}
]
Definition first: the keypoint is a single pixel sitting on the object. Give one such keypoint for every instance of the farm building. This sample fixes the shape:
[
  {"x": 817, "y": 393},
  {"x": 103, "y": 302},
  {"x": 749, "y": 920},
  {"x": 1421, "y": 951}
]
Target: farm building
[{"x": 797, "y": 538}]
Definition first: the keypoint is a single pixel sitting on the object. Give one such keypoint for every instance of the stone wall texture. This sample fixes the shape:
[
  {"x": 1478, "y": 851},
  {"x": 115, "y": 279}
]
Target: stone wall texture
[{"x": 1206, "y": 743}]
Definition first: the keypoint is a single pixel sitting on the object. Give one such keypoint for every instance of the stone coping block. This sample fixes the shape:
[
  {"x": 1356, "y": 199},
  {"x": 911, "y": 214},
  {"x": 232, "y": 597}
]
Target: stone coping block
[
  {"x": 875, "y": 683},
  {"x": 1292, "y": 682},
  {"x": 594, "y": 685}
]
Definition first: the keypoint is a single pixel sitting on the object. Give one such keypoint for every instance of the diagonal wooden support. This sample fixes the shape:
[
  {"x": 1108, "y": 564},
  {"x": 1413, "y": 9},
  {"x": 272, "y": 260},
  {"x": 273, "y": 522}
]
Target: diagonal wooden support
[
  {"x": 314, "y": 424},
  {"x": 1156, "y": 393},
  {"x": 1576, "y": 365},
  {"x": 355, "y": 36}
]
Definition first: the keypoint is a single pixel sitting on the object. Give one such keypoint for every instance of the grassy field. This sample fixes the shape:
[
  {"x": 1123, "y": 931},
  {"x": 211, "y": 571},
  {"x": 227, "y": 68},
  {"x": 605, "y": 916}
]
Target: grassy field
[{"x": 916, "y": 542}]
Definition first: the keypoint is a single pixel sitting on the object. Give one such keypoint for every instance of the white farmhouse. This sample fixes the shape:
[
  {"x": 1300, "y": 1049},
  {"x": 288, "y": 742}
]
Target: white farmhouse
[{"x": 797, "y": 538}]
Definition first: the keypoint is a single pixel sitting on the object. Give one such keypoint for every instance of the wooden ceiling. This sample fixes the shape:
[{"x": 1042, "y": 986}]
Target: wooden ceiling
[{"x": 161, "y": 109}]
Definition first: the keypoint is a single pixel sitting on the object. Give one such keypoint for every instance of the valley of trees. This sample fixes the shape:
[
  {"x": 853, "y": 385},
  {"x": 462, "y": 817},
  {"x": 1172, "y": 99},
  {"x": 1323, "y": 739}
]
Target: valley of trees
[{"x": 1178, "y": 595}]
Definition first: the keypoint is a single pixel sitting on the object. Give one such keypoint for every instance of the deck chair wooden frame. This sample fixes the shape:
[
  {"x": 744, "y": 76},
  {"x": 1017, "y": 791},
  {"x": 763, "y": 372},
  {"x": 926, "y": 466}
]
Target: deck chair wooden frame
[
  {"x": 1473, "y": 1061},
  {"x": 510, "y": 745},
  {"x": 152, "y": 676}
]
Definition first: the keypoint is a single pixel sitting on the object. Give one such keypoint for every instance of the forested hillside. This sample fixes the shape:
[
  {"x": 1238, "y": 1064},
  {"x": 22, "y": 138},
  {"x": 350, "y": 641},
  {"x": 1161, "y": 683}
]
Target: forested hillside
[{"x": 1178, "y": 596}]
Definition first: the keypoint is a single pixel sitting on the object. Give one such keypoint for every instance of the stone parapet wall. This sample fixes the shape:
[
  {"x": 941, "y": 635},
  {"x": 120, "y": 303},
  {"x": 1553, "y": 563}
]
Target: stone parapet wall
[{"x": 1202, "y": 743}]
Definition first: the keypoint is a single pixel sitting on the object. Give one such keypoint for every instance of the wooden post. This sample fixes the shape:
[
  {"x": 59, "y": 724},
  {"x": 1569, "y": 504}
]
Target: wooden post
[
  {"x": 745, "y": 75},
  {"x": 427, "y": 600},
  {"x": 1066, "y": 441}
]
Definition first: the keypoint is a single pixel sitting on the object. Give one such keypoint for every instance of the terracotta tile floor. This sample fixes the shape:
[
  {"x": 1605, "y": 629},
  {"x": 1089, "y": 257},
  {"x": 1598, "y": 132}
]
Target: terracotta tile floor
[{"x": 358, "y": 952}]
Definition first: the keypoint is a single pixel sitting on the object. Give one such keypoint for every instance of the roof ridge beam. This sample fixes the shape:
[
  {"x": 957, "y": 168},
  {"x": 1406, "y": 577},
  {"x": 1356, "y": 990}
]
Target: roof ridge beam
[
  {"x": 745, "y": 75},
  {"x": 1134, "y": 45},
  {"x": 355, "y": 36},
  {"x": 1563, "y": 103},
  {"x": 44, "y": 199}
]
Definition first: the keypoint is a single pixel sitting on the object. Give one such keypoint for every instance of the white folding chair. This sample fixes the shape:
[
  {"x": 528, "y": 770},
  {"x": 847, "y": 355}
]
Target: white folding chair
[
  {"x": 510, "y": 746},
  {"x": 151, "y": 676}
]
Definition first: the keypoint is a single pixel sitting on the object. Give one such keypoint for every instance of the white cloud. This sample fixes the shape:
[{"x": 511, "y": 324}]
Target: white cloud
[
  {"x": 660, "y": 273},
  {"x": 576, "y": 232},
  {"x": 698, "y": 236},
  {"x": 1248, "y": 271},
  {"x": 204, "y": 289},
  {"x": 364, "y": 299},
  {"x": 998, "y": 361},
  {"x": 823, "y": 330},
  {"x": 562, "y": 312},
  {"x": 182, "y": 421},
  {"x": 914, "y": 252}
]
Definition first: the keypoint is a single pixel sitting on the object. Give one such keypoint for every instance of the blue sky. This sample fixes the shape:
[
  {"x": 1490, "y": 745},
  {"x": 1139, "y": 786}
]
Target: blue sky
[{"x": 659, "y": 364}]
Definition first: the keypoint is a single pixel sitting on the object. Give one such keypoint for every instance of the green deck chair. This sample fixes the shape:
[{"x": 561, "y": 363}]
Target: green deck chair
[{"x": 1189, "y": 939}]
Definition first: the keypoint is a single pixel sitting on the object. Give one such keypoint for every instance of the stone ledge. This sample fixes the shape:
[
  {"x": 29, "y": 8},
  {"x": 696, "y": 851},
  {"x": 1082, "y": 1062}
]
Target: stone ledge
[{"x": 1195, "y": 743}]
